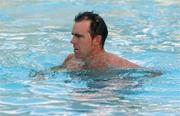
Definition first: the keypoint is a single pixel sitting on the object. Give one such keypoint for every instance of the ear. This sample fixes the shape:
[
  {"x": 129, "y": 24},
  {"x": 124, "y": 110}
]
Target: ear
[{"x": 97, "y": 40}]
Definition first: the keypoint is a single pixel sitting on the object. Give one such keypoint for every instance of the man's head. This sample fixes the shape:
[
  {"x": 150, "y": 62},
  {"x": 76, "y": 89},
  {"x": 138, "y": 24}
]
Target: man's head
[
  {"x": 89, "y": 34},
  {"x": 97, "y": 25}
]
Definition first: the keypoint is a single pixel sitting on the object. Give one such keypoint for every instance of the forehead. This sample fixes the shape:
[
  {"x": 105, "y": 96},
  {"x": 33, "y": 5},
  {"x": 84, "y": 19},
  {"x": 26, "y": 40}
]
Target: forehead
[{"x": 82, "y": 26}]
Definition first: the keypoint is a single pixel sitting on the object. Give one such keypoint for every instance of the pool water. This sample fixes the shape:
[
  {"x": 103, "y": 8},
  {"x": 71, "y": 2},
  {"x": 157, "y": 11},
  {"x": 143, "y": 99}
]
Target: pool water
[{"x": 35, "y": 35}]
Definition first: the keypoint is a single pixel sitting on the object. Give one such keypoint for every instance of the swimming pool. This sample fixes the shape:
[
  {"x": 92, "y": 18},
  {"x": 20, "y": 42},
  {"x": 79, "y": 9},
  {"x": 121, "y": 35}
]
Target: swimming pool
[{"x": 35, "y": 35}]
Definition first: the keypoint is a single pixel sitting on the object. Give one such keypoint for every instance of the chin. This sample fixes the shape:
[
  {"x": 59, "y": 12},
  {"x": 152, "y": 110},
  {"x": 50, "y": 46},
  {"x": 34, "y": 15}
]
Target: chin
[{"x": 78, "y": 56}]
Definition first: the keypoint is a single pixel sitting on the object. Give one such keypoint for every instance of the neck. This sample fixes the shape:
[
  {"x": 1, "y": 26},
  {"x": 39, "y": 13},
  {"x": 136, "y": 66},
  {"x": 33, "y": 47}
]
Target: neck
[{"x": 95, "y": 59}]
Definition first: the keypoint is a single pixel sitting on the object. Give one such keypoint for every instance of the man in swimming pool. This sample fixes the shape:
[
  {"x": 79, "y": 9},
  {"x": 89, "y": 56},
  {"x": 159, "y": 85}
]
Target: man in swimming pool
[{"x": 89, "y": 35}]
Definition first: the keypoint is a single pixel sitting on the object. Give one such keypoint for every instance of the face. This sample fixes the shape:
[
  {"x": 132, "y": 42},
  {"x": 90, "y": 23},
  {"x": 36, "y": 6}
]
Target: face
[{"x": 82, "y": 40}]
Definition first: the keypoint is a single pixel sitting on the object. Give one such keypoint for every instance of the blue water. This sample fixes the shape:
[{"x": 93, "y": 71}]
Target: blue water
[{"x": 35, "y": 35}]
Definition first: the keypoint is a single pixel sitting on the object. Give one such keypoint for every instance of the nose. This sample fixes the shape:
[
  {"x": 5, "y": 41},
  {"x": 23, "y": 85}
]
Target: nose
[{"x": 73, "y": 40}]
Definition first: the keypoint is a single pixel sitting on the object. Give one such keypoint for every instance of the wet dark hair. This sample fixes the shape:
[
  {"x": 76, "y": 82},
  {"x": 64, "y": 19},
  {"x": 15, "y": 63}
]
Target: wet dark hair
[{"x": 97, "y": 26}]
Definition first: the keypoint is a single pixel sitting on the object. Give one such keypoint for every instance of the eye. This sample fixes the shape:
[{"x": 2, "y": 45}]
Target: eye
[{"x": 77, "y": 35}]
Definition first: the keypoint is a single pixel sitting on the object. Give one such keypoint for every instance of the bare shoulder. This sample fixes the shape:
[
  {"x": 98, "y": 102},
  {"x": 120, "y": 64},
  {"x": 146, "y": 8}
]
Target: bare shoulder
[
  {"x": 62, "y": 66},
  {"x": 68, "y": 58},
  {"x": 120, "y": 62},
  {"x": 72, "y": 63}
]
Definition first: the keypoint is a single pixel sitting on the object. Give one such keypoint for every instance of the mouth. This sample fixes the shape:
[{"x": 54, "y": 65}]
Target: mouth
[{"x": 76, "y": 50}]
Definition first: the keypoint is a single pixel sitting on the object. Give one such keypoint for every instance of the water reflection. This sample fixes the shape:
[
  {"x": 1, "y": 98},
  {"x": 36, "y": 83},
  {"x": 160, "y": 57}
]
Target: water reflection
[
  {"x": 107, "y": 90},
  {"x": 95, "y": 80}
]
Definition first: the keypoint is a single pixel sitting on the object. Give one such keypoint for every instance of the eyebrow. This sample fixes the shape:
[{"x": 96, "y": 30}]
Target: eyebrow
[{"x": 77, "y": 34}]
